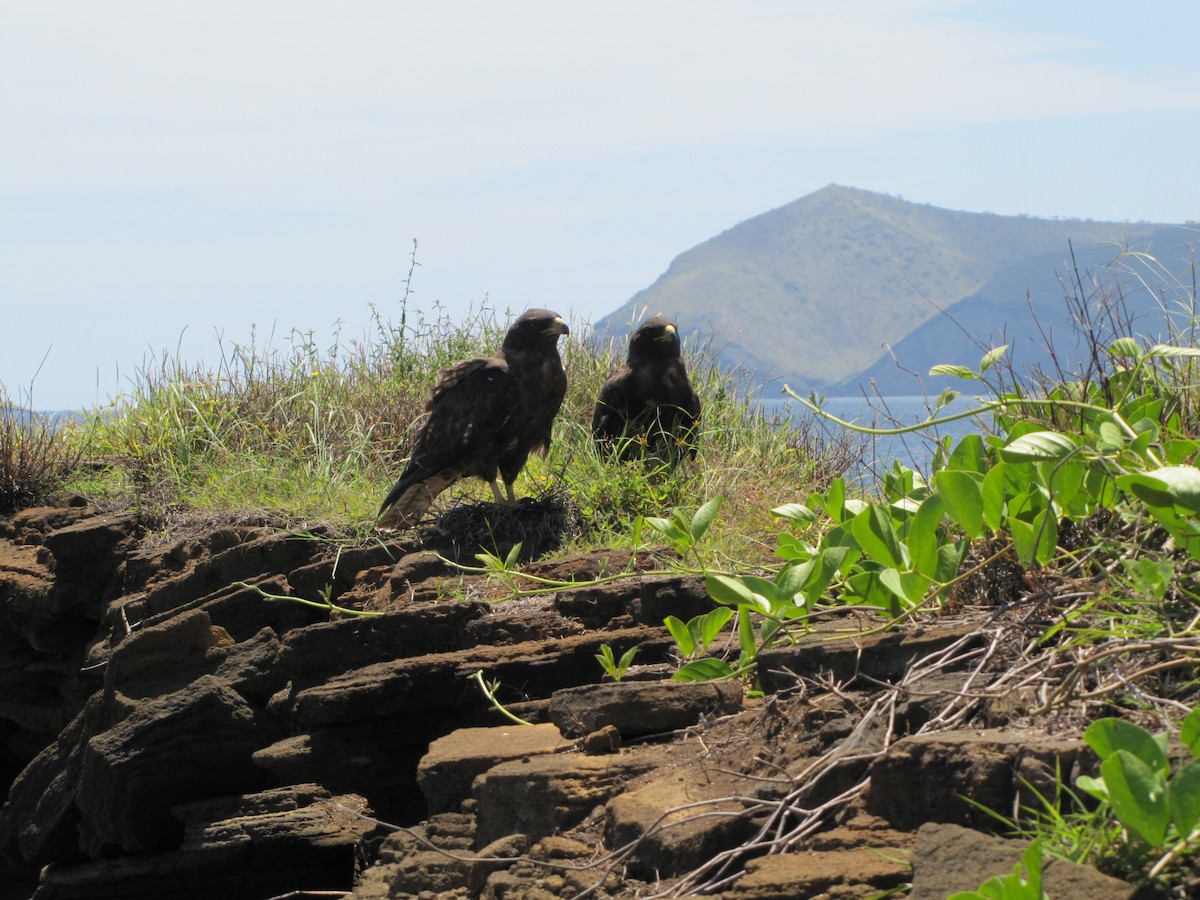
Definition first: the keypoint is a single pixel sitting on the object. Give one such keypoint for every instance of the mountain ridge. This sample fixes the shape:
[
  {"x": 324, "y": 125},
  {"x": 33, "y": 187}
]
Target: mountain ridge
[{"x": 819, "y": 292}]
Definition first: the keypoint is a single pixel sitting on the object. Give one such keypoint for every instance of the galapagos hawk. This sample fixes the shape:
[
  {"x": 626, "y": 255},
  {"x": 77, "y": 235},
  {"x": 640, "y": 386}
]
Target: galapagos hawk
[
  {"x": 485, "y": 416},
  {"x": 648, "y": 406}
]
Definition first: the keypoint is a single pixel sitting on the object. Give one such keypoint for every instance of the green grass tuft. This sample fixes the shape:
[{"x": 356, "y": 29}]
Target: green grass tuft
[{"x": 319, "y": 433}]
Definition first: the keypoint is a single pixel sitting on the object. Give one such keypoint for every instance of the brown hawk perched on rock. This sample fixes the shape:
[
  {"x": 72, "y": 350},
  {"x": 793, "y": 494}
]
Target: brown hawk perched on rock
[
  {"x": 648, "y": 406},
  {"x": 486, "y": 416}
]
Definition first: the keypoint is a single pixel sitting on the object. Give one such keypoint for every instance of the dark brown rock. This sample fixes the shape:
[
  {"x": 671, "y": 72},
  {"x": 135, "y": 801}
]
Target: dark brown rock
[
  {"x": 949, "y": 858},
  {"x": 554, "y": 867},
  {"x": 207, "y": 741},
  {"x": 448, "y": 770},
  {"x": 443, "y": 681},
  {"x": 602, "y": 740},
  {"x": 30, "y": 526},
  {"x": 678, "y": 818},
  {"x": 251, "y": 558},
  {"x": 252, "y": 846},
  {"x": 436, "y": 856},
  {"x": 174, "y": 749},
  {"x": 308, "y": 655},
  {"x": 855, "y": 873},
  {"x": 924, "y": 778},
  {"x": 644, "y": 599},
  {"x": 882, "y": 656},
  {"x": 351, "y": 759},
  {"x": 641, "y": 708},
  {"x": 39, "y": 822},
  {"x": 542, "y": 795}
]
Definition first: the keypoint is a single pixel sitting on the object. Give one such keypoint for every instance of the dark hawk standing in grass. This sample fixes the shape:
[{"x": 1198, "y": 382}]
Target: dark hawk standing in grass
[
  {"x": 648, "y": 407},
  {"x": 485, "y": 416}
]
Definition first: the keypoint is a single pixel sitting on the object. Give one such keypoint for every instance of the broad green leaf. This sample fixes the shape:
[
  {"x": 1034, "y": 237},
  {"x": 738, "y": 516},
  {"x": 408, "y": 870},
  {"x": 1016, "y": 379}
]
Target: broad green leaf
[
  {"x": 1107, "y": 736},
  {"x": 1178, "y": 485},
  {"x": 763, "y": 590},
  {"x": 1066, "y": 482},
  {"x": 950, "y": 557},
  {"x": 1141, "y": 444},
  {"x": 1112, "y": 437},
  {"x": 833, "y": 500},
  {"x": 605, "y": 658},
  {"x": 669, "y": 529},
  {"x": 746, "y": 637},
  {"x": 711, "y": 623},
  {"x": 769, "y": 629},
  {"x": 1169, "y": 350},
  {"x": 682, "y": 635},
  {"x": 964, "y": 501},
  {"x": 706, "y": 669},
  {"x": 1024, "y": 541},
  {"x": 1184, "y": 796},
  {"x": 991, "y": 357},
  {"x": 922, "y": 537},
  {"x": 1150, "y": 577},
  {"x": 1100, "y": 486},
  {"x": 1138, "y": 795},
  {"x": 1182, "y": 524},
  {"x": 900, "y": 483},
  {"x": 1045, "y": 527},
  {"x": 954, "y": 370},
  {"x": 1189, "y": 731},
  {"x": 704, "y": 518},
  {"x": 866, "y": 588},
  {"x": 945, "y": 398},
  {"x": 828, "y": 564},
  {"x": 732, "y": 592},
  {"x": 992, "y": 889},
  {"x": 993, "y": 493},
  {"x": 1026, "y": 504},
  {"x": 840, "y": 539},
  {"x": 909, "y": 587},
  {"x": 1094, "y": 786},
  {"x": 1176, "y": 451},
  {"x": 514, "y": 555},
  {"x": 854, "y": 506},
  {"x": 969, "y": 454},
  {"x": 1032, "y": 860},
  {"x": 1126, "y": 346},
  {"x": 1038, "y": 445},
  {"x": 790, "y": 581},
  {"x": 876, "y": 534},
  {"x": 1144, "y": 425},
  {"x": 797, "y": 512},
  {"x": 790, "y": 547}
]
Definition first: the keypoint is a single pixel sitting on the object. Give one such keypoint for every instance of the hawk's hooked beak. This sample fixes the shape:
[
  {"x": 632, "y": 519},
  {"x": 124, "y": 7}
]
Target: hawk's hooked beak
[
  {"x": 559, "y": 326},
  {"x": 670, "y": 333}
]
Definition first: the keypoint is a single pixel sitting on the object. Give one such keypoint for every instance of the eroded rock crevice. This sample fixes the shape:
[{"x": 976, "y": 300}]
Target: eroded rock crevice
[{"x": 169, "y": 731}]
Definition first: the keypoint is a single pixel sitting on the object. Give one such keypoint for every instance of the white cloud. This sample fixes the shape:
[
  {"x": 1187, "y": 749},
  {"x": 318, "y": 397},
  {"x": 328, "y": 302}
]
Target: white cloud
[
  {"x": 212, "y": 163},
  {"x": 143, "y": 94}
]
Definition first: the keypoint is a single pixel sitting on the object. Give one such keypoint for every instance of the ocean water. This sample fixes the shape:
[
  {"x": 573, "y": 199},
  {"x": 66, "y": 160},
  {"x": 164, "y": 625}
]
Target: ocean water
[{"x": 913, "y": 449}]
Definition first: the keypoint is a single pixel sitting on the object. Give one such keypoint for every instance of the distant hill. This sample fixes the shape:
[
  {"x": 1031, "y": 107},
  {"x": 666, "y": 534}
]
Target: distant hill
[{"x": 815, "y": 293}]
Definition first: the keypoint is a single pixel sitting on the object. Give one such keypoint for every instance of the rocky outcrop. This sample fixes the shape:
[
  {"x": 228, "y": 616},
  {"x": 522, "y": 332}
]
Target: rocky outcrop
[{"x": 174, "y": 726}]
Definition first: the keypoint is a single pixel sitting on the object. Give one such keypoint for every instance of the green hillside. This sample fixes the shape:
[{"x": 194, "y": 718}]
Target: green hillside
[{"x": 816, "y": 291}]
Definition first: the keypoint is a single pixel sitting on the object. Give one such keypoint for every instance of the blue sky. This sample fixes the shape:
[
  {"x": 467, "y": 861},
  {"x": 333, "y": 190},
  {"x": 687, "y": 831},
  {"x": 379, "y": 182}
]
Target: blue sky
[{"x": 174, "y": 172}]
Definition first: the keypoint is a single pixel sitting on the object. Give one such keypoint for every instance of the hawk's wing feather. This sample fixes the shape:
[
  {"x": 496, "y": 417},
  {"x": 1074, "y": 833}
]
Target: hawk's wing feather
[
  {"x": 612, "y": 406},
  {"x": 468, "y": 408}
]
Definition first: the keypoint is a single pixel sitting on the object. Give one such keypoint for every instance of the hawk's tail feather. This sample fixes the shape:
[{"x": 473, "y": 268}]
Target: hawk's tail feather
[{"x": 406, "y": 503}]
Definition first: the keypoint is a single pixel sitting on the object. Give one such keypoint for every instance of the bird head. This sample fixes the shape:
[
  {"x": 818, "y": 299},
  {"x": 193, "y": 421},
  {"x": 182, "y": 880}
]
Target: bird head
[
  {"x": 657, "y": 336},
  {"x": 535, "y": 327}
]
